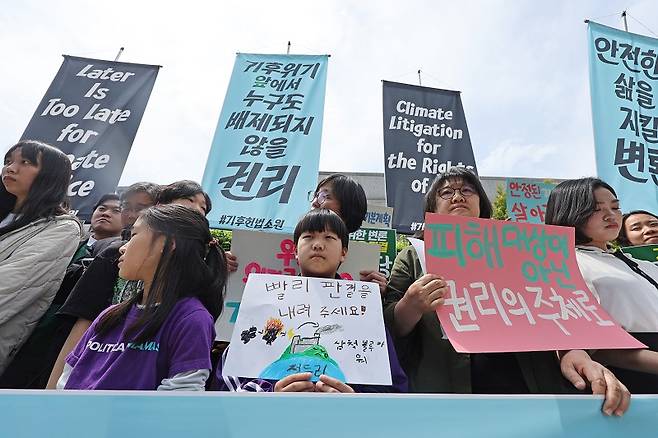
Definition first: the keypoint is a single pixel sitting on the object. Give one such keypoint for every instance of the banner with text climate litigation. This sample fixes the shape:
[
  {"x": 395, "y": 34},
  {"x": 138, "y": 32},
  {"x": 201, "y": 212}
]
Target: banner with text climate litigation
[
  {"x": 91, "y": 112},
  {"x": 425, "y": 134},
  {"x": 265, "y": 154},
  {"x": 623, "y": 71}
]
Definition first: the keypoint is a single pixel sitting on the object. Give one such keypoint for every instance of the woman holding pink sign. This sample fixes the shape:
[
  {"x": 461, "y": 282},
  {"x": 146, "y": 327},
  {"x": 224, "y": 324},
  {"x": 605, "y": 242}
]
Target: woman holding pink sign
[{"x": 428, "y": 358}]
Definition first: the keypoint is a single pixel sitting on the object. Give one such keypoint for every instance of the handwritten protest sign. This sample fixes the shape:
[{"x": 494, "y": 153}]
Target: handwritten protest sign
[
  {"x": 623, "y": 82},
  {"x": 294, "y": 325},
  {"x": 515, "y": 287},
  {"x": 378, "y": 216},
  {"x": 527, "y": 199},
  {"x": 386, "y": 239},
  {"x": 643, "y": 252},
  {"x": 273, "y": 253}
]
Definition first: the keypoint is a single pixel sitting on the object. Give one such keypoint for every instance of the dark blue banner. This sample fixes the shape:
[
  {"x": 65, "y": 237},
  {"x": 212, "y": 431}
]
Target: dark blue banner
[
  {"x": 425, "y": 134},
  {"x": 91, "y": 112}
]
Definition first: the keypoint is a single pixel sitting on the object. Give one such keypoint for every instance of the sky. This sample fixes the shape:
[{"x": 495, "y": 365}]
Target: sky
[{"x": 521, "y": 67}]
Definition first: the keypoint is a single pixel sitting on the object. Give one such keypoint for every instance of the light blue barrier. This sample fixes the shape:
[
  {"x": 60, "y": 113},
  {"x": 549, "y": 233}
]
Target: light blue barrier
[{"x": 154, "y": 415}]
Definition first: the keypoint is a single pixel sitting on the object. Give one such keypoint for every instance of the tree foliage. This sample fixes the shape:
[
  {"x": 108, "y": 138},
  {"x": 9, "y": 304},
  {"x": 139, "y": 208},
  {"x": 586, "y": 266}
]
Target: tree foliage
[{"x": 500, "y": 203}]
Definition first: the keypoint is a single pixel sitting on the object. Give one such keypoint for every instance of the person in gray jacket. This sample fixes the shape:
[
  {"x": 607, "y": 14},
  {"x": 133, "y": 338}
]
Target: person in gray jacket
[{"x": 37, "y": 238}]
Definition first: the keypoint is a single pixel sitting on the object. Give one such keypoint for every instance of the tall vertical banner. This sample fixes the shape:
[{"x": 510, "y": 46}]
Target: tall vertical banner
[
  {"x": 623, "y": 82},
  {"x": 91, "y": 112},
  {"x": 425, "y": 134},
  {"x": 265, "y": 154}
]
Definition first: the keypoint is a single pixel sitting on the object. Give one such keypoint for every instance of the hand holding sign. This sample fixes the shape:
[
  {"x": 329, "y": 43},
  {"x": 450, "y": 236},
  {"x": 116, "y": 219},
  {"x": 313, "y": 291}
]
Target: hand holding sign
[{"x": 424, "y": 295}]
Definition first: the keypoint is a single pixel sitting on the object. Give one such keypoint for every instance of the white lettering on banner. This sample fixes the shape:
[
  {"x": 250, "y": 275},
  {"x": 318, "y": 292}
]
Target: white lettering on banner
[
  {"x": 89, "y": 161},
  {"x": 92, "y": 159},
  {"x": 411, "y": 109},
  {"x": 97, "y": 93},
  {"x": 108, "y": 73},
  {"x": 80, "y": 188},
  {"x": 73, "y": 135},
  {"x": 418, "y": 129},
  {"x": 106, "y": 114},
  {"x": 401, "y": 162},
  {"x": 57, "y": 108}
]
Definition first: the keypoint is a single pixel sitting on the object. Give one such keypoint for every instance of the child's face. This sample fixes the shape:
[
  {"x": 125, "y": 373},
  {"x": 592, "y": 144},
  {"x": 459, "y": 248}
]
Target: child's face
[
  {"x": 141, "y": 255},
  {"x": 319, "y": 253}
]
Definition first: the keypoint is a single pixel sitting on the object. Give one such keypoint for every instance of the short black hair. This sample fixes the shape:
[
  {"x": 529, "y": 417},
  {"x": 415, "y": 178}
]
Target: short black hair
[
  {"x": 572, "y": 202},
  {"x": 352, "y": 199},
  {"x": 322, "y": 219},
  {"x": 149, "y": 188},
  {"x": 106, "y": 197},
  {"x": 622, "y": 239},
  {"x": 182, "y": 189}
]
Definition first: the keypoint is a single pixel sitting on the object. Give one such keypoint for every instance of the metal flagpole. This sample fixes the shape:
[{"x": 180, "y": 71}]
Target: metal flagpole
[
  {"x": 623, "y": 15},
  {"x": 118, "y": 54}
]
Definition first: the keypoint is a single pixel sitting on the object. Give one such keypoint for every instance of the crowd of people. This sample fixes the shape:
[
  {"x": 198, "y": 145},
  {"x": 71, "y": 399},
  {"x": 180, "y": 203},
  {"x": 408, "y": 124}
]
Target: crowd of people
[{"x": 132, "y": 302}]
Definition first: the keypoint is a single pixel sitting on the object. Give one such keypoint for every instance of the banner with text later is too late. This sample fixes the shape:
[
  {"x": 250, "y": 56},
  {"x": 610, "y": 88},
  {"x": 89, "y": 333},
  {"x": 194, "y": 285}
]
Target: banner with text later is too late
[
  {"x": 91, "y": 112},
  {"x": 425, "y": 134},
  {"x": 265, "y": 154},
  {"x": 515, "y": 287}
]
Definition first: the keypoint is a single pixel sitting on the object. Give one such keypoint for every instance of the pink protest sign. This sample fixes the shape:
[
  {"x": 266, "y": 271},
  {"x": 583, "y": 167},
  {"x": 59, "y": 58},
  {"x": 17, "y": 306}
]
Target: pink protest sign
[{"x": 515, "y": 287}]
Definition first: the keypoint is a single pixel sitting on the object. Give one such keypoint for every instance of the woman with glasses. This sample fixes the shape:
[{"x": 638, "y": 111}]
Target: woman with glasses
[
  {"x": 346, "y": 197},
  {"x": 429, "y": 360}
]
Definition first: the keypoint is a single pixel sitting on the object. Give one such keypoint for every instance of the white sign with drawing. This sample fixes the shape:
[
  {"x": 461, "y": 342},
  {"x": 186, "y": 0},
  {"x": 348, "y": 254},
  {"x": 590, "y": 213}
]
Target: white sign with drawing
[
  {"x": 274, "y": 253},
  {"x": 289, "y": 325}
]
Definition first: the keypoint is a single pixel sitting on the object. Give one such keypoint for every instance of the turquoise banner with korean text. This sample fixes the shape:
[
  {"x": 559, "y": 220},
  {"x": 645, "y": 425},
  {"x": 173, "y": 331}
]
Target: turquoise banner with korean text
[
  {"x": 111, "y": 414},
  {"x": 526, "y": 199},
  {"x": 623, "y": 83},
  {"x": 265, "y": 153}
]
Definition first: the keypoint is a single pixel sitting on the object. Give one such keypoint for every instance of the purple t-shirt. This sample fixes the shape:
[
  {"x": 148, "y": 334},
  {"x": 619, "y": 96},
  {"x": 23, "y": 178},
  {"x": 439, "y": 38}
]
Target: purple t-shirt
[{"x": 111, "y": 361}]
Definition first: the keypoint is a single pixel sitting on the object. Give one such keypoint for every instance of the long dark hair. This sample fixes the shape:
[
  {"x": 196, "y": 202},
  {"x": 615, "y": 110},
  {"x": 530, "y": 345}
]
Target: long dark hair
[
  {"x": 622, "y": 239},
  {"x": 572, "y": 202},
  {"x": 47, "y": 196},
  {"x": 191, "y": 265},
  {"x": 456, "y": 173}
]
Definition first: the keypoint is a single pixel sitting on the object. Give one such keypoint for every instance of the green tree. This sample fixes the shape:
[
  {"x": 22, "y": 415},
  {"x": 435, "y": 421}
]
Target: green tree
[
  {"x": 500, "y": 204},
  {"x": 223, "y": 237}
]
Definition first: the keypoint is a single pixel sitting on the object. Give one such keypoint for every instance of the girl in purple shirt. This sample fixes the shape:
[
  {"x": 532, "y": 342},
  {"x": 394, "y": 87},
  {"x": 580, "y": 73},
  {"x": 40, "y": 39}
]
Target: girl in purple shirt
[{"x": 161, "y": 338}]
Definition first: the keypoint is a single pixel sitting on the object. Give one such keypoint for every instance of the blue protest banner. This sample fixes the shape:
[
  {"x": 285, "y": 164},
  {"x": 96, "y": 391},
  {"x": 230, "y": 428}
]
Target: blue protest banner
[
  {"x": 623, "y": 76},
  {"x": 264, "y": 157},
  {"x": 111, "y": 414}
]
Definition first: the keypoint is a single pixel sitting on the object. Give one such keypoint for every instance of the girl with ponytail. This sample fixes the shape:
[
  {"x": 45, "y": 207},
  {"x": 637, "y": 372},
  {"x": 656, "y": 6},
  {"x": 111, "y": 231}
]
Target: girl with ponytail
[{"x": 161, "y": 338}]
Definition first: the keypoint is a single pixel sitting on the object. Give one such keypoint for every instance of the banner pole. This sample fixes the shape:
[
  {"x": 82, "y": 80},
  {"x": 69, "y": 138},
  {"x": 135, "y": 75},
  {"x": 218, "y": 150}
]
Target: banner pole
[
  {"x": 118, "y": 54},
  {"x": 419, "y": 81},
  {"x": 623, "y": 15},
  {"x": 288, "y": 50}
]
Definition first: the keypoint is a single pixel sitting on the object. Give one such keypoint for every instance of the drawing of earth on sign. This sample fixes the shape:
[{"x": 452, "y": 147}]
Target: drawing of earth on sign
[{"x": 306, "y": 355}]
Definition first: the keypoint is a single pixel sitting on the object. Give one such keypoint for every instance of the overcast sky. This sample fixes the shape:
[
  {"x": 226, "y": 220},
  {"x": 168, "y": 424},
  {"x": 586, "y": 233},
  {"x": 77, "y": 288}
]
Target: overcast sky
[{"x": 521, "y": 67}]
